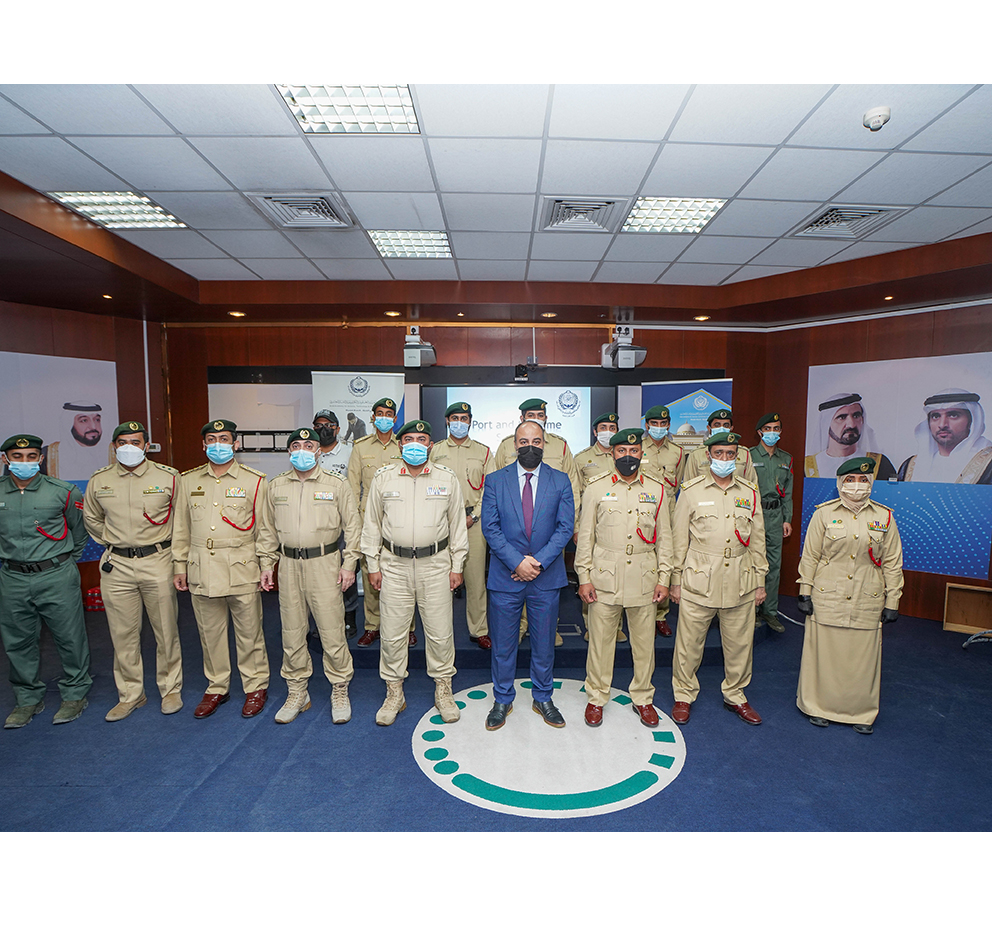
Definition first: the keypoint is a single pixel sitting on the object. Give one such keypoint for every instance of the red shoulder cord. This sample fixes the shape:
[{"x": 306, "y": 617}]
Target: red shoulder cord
[
  {"x": 65, "y": 531},
  {"x": 483, "y": 482},
  {"x": 655, "y": 535},
  {"x": 249, "y": 527},
  {"x": 169, "y": 512},
  {"x": 738, "y": 534},
  {"x": 871, "y": 553}
]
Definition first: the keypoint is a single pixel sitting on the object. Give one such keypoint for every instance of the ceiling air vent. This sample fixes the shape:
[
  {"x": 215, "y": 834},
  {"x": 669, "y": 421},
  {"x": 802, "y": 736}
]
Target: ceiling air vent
[
  {"x": 848, "y": 221},
  {"x": 582, "y": 214},
  {"x": 302, "y": 210}
]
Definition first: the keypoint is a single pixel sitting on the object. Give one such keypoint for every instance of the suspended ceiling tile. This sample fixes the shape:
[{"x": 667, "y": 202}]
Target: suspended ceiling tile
[
  {"x": 802, "y": 173},
  {"x": 14, "y": 122},
  {"x": 221, "y": 109},
  {"x": 213, "y": 269},
  {"x": 283, "y": 268},
  {"x": 930, "y": 224},
  {"x": 324, "y": 243},
  {"x": 491, "y": 270},
  {"x": 397, "y": 211},
  {"x": 975, "y": 190},
  {"x": 171, "y": 243},
  {"x": 759, "y": 217},
  {"x": 486, "y": 165},
  {"x": 561, "y": 270},
  {"x": 758, "y": 114},
  {"x": 792, "y": 252},
  {"x": 480, "y": 212},
  {"x": 212, "y": 210},
  {"x": 264, "y": 164},
  {"x": 702, "y": 170},
  {"x": 697, "y": 274},
  {"x": 253, "y": 244},
  {"x": 375, "y": 162},
  {"x": 490, "y": 246},
  {"x": 630, "y": 272},
  {"x": 570, "y": 246},
  {"x": 724, "y": 249},
  {"x": 595, "y": 168},
  {"x": 422, "y": 268},
  {"x": 752, "y": 272},
  {"x": 979, "y": 229},
  {"x": 910, "y": 178},
  {"x": 967, "y": 127},
  {"x": 48, "y": 163},
  {"x": 614, "y": 111},
  {"x": 149, "y": 164},
  {"x": 648, "y": 246},
  {"x": 352, "y": 269},
  {"x": 482, "y": 110},
  {"x": 867, "y": 249},
  {"x": 90, "y": 109}
]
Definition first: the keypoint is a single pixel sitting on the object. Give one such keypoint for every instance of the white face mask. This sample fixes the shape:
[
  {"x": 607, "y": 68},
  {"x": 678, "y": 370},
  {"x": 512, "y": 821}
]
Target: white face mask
[
  {"x": 129, "y": 455},
  {"x": 604, "y": 436},
  {"x": 855, "y": 492}
]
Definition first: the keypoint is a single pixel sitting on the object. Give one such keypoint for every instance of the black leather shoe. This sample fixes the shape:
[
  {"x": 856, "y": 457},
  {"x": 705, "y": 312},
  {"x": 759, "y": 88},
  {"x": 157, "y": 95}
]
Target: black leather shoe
[
  {"x": 497, "y": 715},
  {"x": 817, "y": 721},
  {"x": 549, "y": 712},
  {"x": 863, "y": 729}
]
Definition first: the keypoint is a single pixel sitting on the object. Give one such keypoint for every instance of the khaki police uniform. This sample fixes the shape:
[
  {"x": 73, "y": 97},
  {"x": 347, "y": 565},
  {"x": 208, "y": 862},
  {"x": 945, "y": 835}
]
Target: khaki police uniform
[
  {"x": 665, "y": 462},
  {"x": 774, "y": 470},
  {"x": 471, "y": 461},
  {"x": 301, "y": 524},
  {"x": 624, "y": 550},
  {"x": 851, "y": 567},
  {"x": 368, "y": 454},
  {"x": 593, "y": 462},
  {"x": 414, "y": 533},
  {"x": 697, "y": 463},
  {"x": 214, "y": 542},
  {"x": 131, "y": 513},
  {"x": 719, "y": 541}
]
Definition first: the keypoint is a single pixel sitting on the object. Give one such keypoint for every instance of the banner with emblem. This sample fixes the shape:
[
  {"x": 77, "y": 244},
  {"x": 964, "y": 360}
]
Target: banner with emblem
[
  {"x": 923, "y": 422},
  {"x": 690, "y": 403},
  {"x": 352, "y": 394}
]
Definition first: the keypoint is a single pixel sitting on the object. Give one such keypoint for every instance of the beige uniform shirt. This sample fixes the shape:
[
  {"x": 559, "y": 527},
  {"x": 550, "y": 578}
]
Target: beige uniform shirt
[
  {"x": 624, "y": 548},
  {"x": 697, "y": 463},
  {"x": 368, "y": 454},
  {"x": 556, "y": 455},
  {"x": 414, "y": 512},
  {"x": 216, "y": 529},
  {"x": 131, "y": 509},
  {"x": 665, "y": 462},
  {"x": 719, "y": 541},
  {"x": 851, "y": 564},
  {"x": 593, "y": 462},
  {"x": 307, "y": 514},
  {"x": 471, "y": 462}
]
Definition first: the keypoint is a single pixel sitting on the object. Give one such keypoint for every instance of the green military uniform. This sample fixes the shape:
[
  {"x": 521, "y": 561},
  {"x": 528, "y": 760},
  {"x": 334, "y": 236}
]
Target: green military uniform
[
  {"x": 131, "y": 513},
  {"x": 41, "y": 536},
  {"x": 471, "y": 461},
  {"x": 773, "y": 467},
  {"x": 624, "y": 550}
]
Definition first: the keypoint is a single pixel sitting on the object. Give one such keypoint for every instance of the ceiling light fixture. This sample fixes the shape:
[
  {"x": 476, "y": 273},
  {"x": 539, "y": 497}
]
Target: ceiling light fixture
[
  {"x": 549, "y": 315},
  {"x": 700, "y": 318},
  {"x": 107, "y": 296},
  {"x": 670, "y": 214},
  {"x": 461, "y": 314},
  {"x": 411, "y": 244},
  {"x": 233, "y": 313},
  {"x": 352, "y": 108},
  {"x": 119, "y": 210},
  {"x": 391, "y": 312},
  {"x": 890, "y": 298}
]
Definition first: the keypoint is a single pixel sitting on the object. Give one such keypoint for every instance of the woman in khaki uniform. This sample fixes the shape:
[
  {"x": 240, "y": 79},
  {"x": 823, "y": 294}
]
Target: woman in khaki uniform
[{"x": 850, "y": 582}]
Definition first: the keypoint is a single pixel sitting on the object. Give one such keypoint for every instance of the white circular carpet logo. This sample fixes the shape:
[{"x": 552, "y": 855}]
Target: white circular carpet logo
[{"x": 529, "y": 768}]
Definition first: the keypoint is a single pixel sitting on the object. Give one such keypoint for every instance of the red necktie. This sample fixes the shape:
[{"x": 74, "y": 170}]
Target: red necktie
[{"x": 528, "y": 502}]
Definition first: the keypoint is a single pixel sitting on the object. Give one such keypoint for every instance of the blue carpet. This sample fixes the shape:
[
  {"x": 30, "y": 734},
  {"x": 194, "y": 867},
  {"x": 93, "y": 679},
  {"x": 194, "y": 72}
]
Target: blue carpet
[{"x": 922, "y": 770}]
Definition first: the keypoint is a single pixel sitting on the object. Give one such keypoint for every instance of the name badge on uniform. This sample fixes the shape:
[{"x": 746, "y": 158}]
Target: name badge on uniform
[
  {"x": 758, "y": 463},
  {"x": 236, "y": 493},
  {"x": 323, "y": 495},
  {"x": 647, "y": 498},
  {"x": 153, "y": 490},
  {"x": 105, "y": 491},
  {"x": 588, "y": 464},
  {"x": 280, "y": 499},
  {"x": 706, "y": 502},
  {"x": 197, "y": 493},
  {"x": 437, "y": 490},
  {"x": 742, "y": 502},
  {"x": 877, "y": 527},
  {"x": 391, "y": 494}
]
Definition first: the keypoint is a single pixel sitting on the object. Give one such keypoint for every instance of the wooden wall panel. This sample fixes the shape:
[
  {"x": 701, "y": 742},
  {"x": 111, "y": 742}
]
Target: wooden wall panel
[
  {"x": 188, "y": 408},
  {"x": 665, "y": 348},
  {"x": 746, "y": 365},
  {"x": 704, "y": 349},
  {"x": 578, "y": 346},
  {"x": 901, "y": 337},
  {"x": 450, "y": 344},
  {"x": 960, "y": 331},
  {"x": 130, "y": 351},
  {"x": 490, "y": 347},
  {"x": 26, "y": 329},
  {"x": 838, "y": 344},
  {"x": 82, "y": 335}
]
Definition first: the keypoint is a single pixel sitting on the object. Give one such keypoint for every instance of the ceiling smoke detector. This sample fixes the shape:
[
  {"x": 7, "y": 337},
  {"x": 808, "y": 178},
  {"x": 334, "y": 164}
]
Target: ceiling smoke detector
[{"x": 876, "y": 117}]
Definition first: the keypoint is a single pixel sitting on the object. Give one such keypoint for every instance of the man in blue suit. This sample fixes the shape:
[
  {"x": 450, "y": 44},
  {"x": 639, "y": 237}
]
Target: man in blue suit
[{"x": 528, "y": 516}]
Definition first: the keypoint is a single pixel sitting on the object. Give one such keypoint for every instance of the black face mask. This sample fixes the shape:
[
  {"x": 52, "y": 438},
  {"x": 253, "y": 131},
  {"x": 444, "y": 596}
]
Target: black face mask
[
  {"x": 326, "y": 434},
  {"x": 627, "y": 465},
  {"x": 530, "y": 456}
]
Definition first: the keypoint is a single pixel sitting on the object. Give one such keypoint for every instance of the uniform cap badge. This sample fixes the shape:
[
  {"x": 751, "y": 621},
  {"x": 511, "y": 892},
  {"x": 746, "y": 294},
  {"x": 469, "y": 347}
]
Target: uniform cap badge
[
  {"x": 219, "y": 426},
  {"x": 22, "y": 443},
  {"x": 465, "y": 406},
  {"x": 304, "y": 433},
  {"x": 420, "y": 426},
  {"x": 133, "y": 426},
  {"x": 865, "y": 467}
]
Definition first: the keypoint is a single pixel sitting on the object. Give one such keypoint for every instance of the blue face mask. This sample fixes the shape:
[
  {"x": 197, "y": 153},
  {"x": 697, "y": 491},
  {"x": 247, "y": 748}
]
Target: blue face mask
[
  {"x": 383, "y": 423},
  {"x": 771, "y": 438},
  {"x": 220, "y": 453},
  {"x": 414, "y": 453},
  {"x": 719, "y": 430},
  {"x": 458, "y": 429},
  {"x": 24, "y": 470},
  {"x": 303, "y": 460},
  {"x": 723, "y": 468},
  {"x": 657, "y": 432}
]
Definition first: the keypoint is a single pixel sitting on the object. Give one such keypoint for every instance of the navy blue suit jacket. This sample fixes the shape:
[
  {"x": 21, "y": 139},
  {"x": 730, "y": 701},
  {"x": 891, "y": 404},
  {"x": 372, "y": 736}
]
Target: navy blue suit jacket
[{"x": 551, "y": 527}]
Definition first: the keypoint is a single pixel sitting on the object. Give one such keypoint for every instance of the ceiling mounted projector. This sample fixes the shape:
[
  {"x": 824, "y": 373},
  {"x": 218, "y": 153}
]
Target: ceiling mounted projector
[
  {"x": 620, "y": 353},
  {"x": 417, "y": 353}
]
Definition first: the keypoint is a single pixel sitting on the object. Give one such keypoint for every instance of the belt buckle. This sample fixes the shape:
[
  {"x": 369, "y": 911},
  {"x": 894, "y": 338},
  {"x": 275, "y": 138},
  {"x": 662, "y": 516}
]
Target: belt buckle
[
  {"x": 727, "y": 553},
  {"x": 630, "y": 550},
  {"x": 134, "y": 552},
  {"x": 210, "y": 543},
  {"x": 302, "y": 554}
]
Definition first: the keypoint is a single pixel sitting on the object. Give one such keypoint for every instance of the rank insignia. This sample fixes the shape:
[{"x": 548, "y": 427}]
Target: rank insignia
[
  {"x": 877, "y": 527},
  {"x": 323, "y": 495},
  {"x": 437, "y": 491},
  {"x": 153, "y": 490},
  {"x": 646, "y": 498},
  {"x": 742, "y": 502},
  {"x": 79, "y": 504},
  {"x": 236, "y": 493}
]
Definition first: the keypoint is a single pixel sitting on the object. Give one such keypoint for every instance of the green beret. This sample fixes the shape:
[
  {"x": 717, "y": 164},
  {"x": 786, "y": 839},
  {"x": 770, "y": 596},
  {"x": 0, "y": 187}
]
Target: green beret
[
  {"x": 722, "y": 413},
  {"x": 610, "y": 417},
  {"x": 856, "y": 466},
  {"x": 219, "y": 425},
  {"x": 771, "y": 417},
  {"x": 658, "y": 412},
  {"x": 722, "y": 438},
  {"x": 458, "y": 407},
  {"x": 129, "y": 428},
  {"x": 22, "y": 441},
  {"x": 533, "y": 405},
  {"x": 627, "y": 437},
  {"x": 304, "y": 434},
  {"x": 415, "y": 425},
  {"x": 385, "y": 401}
]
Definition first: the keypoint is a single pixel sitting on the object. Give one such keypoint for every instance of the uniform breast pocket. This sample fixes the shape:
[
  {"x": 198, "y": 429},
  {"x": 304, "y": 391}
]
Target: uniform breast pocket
[
  {"x": 326, "y": 514},
  {"x": 476, "y": 474},
  {"x": 238, "y": 513},
  {"x": 394, "y": 511},
  {"x": 696, "y": 581},
  {"x": 197, "y": 511},
  {"x": 245, "y": 570},
  {"x": 50, "y": 519},
  {"x": 704, "y": 523},
  {"x": 743, "y": 524},
  {"x": 645, "y": 520},
  {"x": 611, "y": 516}
]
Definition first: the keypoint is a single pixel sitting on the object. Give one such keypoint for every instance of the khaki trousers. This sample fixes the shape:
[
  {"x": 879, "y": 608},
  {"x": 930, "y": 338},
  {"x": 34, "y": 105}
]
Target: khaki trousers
[
  {"x": 737, "y": 636},
  {"x": 311, "y": 585},
  {"x": 246, "y": 615},
  {"x": 603, "y": 625},
  {"x": 475, "y": 583},
  {"x": 370, "y": 603},
  {"x": 137, "y": 582},
  {"x": 407, "y": 583}
]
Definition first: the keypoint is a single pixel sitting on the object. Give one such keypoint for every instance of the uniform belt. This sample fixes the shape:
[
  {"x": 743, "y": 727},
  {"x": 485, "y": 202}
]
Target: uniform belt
[
  {"x": 719, "y": 552},
  {"x": 304, "y": 554},
  {"x": 211, "y": 543},
  {"x": 773, "y": 502},
  {"x": 425, "y": 551},
  {"x": 36, "y": 567},
  {"x": 141, "y": 552},
  {"x": 621, "y": 549}
]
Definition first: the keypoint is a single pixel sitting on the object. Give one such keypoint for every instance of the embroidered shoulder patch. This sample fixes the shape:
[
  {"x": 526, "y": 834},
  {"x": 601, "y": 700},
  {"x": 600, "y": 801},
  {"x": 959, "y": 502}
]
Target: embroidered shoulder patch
[{"x": 236, "y": 493}]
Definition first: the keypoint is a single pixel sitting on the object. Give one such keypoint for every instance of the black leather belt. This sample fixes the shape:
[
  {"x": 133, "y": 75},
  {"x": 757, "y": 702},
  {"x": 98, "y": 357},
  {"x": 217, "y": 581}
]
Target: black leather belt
[
  {"x": 36, "y": 567},
  {"x": 141, "y": 552},
  {"x": 425, "y": 551},
  {"x": 304, "y": 554},
  {"x": 771, "y": 503}
]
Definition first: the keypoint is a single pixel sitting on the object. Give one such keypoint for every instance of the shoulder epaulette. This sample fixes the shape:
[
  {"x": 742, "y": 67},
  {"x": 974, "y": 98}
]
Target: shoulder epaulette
[
  {"x": 650, "y": 477},
  {"x": 877, "y": 503},
  {"x": 62, "y": 483},
  {"x": 598, "y": 477},
  {"x": 836, "y": 499},
  {"x": 101, "y": 470},
  {"x": 747, "y": 483},
  {"x": 384, "y": 468},
  {"x": 165, "y": 467},
  {"x": 192, "y": 470},
  {"x": 358, "y": 441},
  {"x": 437, "y": 466},
  {"x": 693, "y": 482},
  {"x": 286, "y": 473},
  {"x": 251, "y": 470}
]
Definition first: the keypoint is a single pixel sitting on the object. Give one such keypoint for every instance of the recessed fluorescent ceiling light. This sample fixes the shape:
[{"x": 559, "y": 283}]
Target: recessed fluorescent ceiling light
[
  {"x": 412, "y": 244},
  {"x": 352, "y": 107},
  {"x": 670, "y": 214},
  {"x": 119, "y": 210}
]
